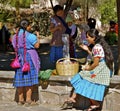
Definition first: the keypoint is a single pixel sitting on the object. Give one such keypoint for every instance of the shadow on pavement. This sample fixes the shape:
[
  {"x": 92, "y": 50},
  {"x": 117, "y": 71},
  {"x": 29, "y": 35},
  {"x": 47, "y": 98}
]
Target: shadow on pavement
[{"x": 43, "y": 51}]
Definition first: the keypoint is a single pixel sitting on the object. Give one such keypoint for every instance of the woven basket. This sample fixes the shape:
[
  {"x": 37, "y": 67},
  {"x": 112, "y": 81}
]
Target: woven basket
[{"x": 67, "y": 68}]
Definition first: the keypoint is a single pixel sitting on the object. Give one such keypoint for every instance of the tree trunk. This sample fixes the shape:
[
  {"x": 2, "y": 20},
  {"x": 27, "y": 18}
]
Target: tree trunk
[
  {"x": 118, "y": 15},
  {"x": 68, "y": 5}
]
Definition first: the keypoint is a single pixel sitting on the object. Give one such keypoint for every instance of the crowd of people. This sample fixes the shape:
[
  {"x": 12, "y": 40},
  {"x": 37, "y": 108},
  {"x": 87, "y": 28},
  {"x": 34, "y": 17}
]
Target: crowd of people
[{"x": 91, "y": 82}]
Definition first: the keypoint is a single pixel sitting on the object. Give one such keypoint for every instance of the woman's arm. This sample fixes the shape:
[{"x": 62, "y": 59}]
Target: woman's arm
[
  {"x": 37, "y": 45},
  {"x": 53, "y": 28},
  {"x": 93, "y": 65}
]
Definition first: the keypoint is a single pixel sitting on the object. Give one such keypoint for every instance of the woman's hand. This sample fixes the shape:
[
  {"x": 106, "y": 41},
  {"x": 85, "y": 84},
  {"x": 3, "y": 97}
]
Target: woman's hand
[
  {"x": 84, "y": 47},
  {"x": 86, "y": 67},
  {"x": 59, "y": 27},
  {"x": 55, "y": 28}
]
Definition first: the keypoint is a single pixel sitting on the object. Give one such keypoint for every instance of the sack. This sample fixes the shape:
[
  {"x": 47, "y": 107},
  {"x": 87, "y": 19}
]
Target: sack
[
  {"x": 15, "y": 63},
  {"x": 26, "y": 67},
  {"x": 45, "y": 75}
]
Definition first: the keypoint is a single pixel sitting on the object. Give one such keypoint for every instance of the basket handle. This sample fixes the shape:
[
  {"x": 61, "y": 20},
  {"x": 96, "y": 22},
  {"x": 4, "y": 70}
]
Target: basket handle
[{"x": 67, "y": 58}]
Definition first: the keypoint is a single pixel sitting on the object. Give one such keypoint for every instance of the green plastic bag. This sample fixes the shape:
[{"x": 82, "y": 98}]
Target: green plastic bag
[{"x": 45, "y": 75}]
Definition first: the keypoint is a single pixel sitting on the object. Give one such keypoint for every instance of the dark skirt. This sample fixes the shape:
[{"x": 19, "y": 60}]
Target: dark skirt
[{"x": 56, "y": 52}]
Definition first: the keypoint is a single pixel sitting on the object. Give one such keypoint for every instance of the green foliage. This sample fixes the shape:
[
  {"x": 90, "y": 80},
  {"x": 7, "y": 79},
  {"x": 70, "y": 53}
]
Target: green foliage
[
  {"x": 111, "y": 38},
  {"x": 7, "y": 16},
  {"x": 21, "y": 3},
  {"x": 108, "y": 11}
]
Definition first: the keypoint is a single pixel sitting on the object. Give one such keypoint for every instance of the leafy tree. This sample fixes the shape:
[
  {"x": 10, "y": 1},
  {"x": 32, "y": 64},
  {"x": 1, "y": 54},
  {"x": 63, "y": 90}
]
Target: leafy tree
[{"x": 107, "y": 9}]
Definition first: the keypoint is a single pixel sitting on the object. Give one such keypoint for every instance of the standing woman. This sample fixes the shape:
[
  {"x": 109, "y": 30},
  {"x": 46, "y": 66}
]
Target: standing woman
[
  {"x": 92, "y": 81},
  {"x": 26, "y": 80},
  {"x": 57, "y": 28}
]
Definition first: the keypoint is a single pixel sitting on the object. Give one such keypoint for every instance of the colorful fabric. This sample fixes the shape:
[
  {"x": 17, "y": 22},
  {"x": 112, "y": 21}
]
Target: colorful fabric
[
  {"x": 98, "y": 51},
  {"x": 102, "y": 72},
  {"x": 56, "y": 52},
  {"x": 25, "y": 79},
  {"x": 92, "y": 84},
  {"x": 35, "y": 58},
  {"x": 29, "y": 78},
  {"x": 57, "y": 35},
  {"x": 31, "y": 39},
  {"x": 88, "y": 89}
]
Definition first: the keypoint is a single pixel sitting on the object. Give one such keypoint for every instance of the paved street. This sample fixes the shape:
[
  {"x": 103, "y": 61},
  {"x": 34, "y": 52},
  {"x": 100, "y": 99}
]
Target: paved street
[{"x": 12, "y": 106}]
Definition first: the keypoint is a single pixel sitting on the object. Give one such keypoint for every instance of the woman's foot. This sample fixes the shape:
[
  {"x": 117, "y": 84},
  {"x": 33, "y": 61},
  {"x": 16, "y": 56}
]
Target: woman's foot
[
  {"x": 30, "y": 103},
  {"x": 93, "y": 107},
  {"x": 21, "y": 103},
  {"x": 67, "y": 105},
  {"x": 71, "y": 100}
]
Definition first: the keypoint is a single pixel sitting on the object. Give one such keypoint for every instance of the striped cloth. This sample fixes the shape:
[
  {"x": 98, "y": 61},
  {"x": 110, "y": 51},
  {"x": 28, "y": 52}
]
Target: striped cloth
[{"x": 25, "y": 79}]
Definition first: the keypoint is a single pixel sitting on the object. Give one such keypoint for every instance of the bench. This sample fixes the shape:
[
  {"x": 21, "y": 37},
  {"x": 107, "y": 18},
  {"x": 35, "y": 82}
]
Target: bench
[{"x": 58, "y": 88}]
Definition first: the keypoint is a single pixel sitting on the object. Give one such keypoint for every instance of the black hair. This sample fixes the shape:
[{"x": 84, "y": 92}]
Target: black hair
[
  {"x": 112, "y": 22},
  {"x": 108, "y": 53},
  {"x": 24, "y": 23},
  {"x": 91, "y": 23},
  {"x": 56, "y": 8}
]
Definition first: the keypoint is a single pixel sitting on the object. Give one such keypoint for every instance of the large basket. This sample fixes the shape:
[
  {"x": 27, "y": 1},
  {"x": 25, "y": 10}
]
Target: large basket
[{"x": 67, "y": 68}]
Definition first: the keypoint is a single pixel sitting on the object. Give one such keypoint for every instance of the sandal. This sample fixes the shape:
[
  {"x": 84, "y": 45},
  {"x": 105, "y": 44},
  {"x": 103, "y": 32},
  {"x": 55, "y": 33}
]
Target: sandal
[
  {"x": 93, "y": 108},
  {"x": 71, "y": 100},
  {"x": 67, "y": 105},
  {"x": 30, "y": 103},
  {"x": 21, "y": 103}
]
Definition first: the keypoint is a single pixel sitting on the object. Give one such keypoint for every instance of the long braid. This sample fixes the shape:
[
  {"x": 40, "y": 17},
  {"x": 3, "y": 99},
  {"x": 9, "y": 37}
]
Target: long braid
[{"x": 108, "y": 53}]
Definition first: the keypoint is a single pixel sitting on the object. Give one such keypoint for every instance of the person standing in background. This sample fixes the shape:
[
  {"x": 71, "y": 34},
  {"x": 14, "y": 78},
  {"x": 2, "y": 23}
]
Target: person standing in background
[
  {"x": 91, "y": 22},
  {"x": 4, "y": 36},
  {"x": 73, "y": 35},
  {"x": 57, "y": 28}
]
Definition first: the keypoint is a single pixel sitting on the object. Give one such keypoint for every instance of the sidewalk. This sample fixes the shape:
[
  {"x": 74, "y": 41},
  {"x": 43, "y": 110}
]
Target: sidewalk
[
  {"x": 6, "y": 74},
  {"x": 12, "y": 106}
]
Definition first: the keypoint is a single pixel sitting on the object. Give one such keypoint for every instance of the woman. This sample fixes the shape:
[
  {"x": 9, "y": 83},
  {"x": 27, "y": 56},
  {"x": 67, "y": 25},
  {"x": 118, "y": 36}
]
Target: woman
[
  {"x": 57, "y": 28},
  {"x": 27, "y": 80},
  {"x": 92, "y": 81},
  {"x": 73, "y": 35}
]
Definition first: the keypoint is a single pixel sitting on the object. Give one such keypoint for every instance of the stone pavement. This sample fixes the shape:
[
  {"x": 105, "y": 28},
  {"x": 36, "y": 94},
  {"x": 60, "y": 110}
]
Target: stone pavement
[
  {"x": 12, "y": 106},
  {"x": 110, "y": 101}
]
